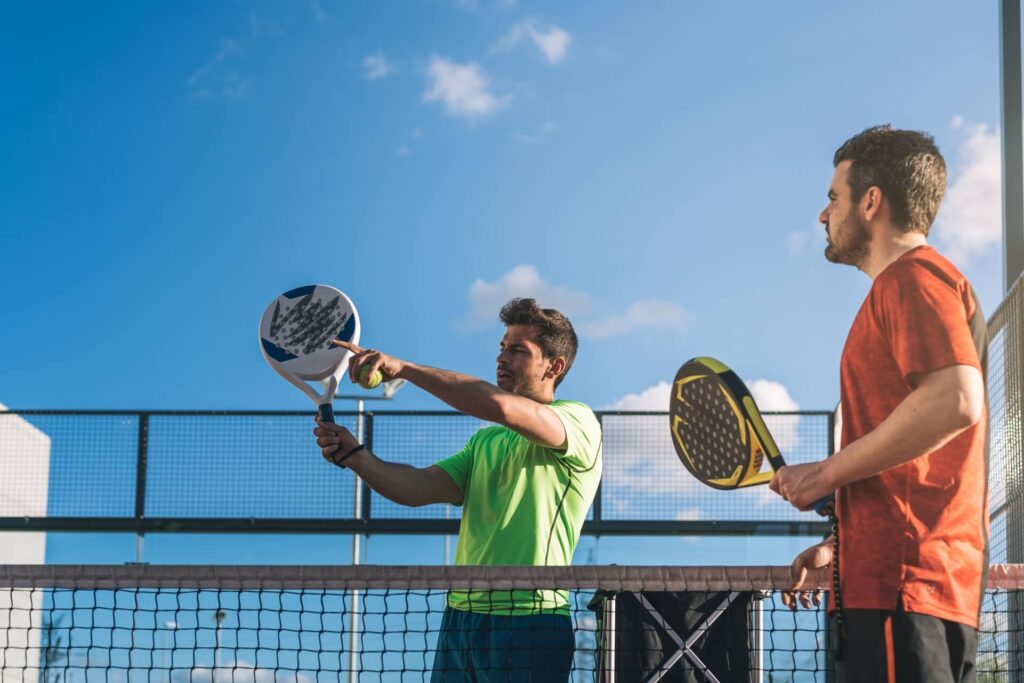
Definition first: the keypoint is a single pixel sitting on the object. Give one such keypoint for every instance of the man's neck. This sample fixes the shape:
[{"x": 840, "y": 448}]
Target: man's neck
[
  {"x": 887, "y": 246},
  {"x": 545, "y": 397}
]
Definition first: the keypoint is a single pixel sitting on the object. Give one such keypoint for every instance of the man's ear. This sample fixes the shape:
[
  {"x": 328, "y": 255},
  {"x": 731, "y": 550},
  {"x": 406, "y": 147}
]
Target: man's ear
[
  {"x": 556, "y": 367},
  {"x": 871, "y": 203}
]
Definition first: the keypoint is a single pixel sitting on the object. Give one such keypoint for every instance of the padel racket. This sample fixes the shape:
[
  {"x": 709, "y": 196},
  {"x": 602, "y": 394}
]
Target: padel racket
[
  {"x": 718, "y": 431},
  {"x": 296, "y": 332}
]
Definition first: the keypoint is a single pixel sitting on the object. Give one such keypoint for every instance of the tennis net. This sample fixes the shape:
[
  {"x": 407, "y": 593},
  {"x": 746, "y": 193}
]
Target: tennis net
[{"x": 325, "y": 623}]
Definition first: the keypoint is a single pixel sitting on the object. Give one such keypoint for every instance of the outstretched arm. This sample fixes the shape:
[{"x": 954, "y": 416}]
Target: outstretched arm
[
  {"x": 403, "y": 484},
  {"x": 467, "y": 394},
  {"x": 483, "y": 400}
]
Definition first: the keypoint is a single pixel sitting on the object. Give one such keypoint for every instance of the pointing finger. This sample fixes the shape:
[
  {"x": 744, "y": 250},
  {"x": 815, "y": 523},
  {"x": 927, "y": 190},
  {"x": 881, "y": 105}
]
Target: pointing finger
[{"x": 354, "y": 348}]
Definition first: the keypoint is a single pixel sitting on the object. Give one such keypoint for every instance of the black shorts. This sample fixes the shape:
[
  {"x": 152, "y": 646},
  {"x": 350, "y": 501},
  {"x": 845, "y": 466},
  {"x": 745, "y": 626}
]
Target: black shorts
[{"x": 881, "y": 645}]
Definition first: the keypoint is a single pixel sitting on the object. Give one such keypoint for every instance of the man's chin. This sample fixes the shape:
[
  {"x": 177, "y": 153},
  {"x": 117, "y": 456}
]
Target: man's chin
[{"x": 504, "y": 383}]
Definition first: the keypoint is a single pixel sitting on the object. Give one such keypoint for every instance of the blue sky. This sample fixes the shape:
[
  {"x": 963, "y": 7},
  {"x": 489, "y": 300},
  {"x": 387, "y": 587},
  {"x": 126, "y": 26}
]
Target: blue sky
[
  {"x": 168, "y": 168},
  {"x": 654, "y": 170}
]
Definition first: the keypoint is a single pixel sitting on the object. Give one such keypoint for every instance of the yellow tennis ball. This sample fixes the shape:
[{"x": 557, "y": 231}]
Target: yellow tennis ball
[{"x": 367, "y": 381}]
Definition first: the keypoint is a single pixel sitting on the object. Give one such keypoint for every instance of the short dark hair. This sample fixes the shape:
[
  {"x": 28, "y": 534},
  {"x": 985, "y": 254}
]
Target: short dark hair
[
  {"x": 905, "y": 164},
  {"x": 555, "y": 337}
]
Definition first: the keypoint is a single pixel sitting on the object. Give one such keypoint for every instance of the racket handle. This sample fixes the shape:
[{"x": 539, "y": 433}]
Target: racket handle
[
  {"x": 826, "y": 505},
  {"x": 326, "y": 412}
]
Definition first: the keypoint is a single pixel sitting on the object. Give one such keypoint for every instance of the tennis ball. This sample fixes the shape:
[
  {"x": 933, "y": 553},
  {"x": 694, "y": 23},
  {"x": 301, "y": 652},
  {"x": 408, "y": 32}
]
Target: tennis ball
[{"x": 367, "y": 381}]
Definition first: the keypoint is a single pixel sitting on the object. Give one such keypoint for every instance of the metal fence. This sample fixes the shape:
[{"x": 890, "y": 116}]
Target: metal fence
[
  {"x": 1006, "y": 430},
  {"x": 150, "y": 471}
]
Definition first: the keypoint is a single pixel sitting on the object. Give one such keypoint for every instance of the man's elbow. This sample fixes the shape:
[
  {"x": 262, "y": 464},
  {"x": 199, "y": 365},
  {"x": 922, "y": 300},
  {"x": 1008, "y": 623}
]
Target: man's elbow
[{"x": 970, "y": 409}]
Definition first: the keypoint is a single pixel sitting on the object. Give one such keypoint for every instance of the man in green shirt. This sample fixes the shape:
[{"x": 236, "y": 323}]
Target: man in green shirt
[{"x": 525, "y": 486}]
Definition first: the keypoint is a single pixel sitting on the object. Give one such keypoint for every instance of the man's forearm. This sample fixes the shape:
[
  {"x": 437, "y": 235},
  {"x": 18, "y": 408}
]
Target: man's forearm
[
  {"x": 400, "y": 483},
  {"x": 925, "y": 421},
  {"x": 467, "y": 394}
]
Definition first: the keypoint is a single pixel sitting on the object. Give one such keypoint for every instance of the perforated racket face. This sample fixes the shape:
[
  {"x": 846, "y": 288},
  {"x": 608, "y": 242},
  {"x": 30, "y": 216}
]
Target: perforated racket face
[
  {"x": 709, "y": 430},
  {"x": 297, "y": 328}
]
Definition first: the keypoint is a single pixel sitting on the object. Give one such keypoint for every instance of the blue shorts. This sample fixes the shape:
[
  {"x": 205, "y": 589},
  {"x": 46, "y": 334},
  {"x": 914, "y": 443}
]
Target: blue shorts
[{"x": 486, "y": 648}]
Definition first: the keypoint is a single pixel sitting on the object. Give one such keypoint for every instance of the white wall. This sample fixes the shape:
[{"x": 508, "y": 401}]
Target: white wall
[{"x": 24, "y": 482}]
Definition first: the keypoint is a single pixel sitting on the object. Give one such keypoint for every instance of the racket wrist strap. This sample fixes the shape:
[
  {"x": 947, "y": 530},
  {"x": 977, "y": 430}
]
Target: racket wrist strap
[{"x": 348, "y": 454}]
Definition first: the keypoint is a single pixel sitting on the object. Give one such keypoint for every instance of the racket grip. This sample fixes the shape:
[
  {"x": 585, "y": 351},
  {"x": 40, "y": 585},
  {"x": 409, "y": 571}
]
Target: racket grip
[
  {"x": 326, "y": 412},
  {"x": 826, "y": 505}
]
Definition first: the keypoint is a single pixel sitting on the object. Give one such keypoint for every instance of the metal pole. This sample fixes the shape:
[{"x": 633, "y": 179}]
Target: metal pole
[
  {"x": 756, "y": 637},
  {"x": 169, "y": 628},
  {"x": 1013, "y": 143},
  {"x": 353, "y": 631},
  {"x": 608, "y": 629},
  {"x": 141, "y": 463}
]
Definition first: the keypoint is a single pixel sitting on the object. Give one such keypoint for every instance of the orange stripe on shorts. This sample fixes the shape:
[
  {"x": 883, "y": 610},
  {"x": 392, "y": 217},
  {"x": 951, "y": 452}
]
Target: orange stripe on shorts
[{"x": 890, "y": 651}]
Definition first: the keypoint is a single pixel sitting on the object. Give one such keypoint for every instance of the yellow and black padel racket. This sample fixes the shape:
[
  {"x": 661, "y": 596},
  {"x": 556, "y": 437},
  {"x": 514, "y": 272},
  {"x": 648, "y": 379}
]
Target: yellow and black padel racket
[{"x": 718, "y": 431}]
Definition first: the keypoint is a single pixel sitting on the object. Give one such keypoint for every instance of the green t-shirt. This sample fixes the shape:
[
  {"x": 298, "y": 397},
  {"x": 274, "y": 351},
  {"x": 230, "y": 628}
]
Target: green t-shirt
[{"x": 524, "y": 504}]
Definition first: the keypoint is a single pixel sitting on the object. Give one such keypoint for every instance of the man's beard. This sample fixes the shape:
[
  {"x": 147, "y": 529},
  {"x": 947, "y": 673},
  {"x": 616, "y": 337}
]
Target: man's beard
[{"x": 855, "y": 250}]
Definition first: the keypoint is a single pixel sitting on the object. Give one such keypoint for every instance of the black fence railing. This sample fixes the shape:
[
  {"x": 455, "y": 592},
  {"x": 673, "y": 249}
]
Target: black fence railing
[{"x": 260, "y": 471}]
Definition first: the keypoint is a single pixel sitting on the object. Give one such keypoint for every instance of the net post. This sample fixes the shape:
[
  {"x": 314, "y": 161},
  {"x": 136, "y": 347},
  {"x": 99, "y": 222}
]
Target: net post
[
  {"x": 141, "y": 460},
  {"x": 608, "y": 639},
  {"x": 367, "y": 440},
  {"x": 357, "y": 513},
  {"x": 755, "y": 613}
]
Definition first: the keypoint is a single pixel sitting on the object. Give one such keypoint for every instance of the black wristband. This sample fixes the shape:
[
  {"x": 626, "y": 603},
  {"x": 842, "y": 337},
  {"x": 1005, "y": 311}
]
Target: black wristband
[{"x": 348, "y": 455}]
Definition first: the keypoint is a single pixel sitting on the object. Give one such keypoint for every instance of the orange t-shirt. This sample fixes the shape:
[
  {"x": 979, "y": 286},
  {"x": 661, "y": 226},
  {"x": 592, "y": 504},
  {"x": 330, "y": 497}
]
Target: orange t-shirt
[{"x": 916, "y": 533}]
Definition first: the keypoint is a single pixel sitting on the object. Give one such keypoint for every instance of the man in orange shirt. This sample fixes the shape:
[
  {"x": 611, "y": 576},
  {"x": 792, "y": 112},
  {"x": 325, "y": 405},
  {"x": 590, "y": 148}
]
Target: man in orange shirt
[{"x": 910, "y": 477}]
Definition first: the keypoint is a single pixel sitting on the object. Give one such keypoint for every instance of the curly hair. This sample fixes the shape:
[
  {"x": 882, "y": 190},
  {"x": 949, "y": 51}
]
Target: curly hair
[
  {"x": 556, "y": 336},
  {"x": 905, "y": 164}
]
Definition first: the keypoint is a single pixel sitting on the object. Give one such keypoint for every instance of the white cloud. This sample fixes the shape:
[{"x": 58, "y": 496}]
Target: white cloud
[
  {"x": 462, "y": 89},
  {"x": 487, "y": 298},
  {"x": 215, "y": 80},
  {"x": 648, "y": 314},
  {"x": 552, "y": 41},
  {"x": 970, "y": 221},
  {"x": 377, "y": 66},
  {"x": 639, "y": 455},
  {"x": 772, "y": 396},
  {"x": 651, "y": 398}
]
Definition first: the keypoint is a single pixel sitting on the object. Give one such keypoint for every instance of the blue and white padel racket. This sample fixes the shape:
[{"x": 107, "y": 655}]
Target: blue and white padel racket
[{"x": 295, "y": 336}]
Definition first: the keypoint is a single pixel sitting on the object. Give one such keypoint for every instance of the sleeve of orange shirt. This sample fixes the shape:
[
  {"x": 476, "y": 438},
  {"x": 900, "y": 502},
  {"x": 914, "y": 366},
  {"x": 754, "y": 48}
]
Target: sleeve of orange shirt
[{"x": 924, "y": 314}]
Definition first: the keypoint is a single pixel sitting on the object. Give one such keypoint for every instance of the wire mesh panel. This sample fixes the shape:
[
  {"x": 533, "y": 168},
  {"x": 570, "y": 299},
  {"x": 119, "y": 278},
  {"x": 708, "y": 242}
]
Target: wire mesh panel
[
  {"x": 419, "y": 439},
  {"x": 255, "y": 466},
  {"x": 1006, "y": 431},
  {"x": 68, "y": 465},
  {"x": 265, "y": 466},
  {"x": 216, "y": 623},
  {"x": 643, "y": 478}
]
